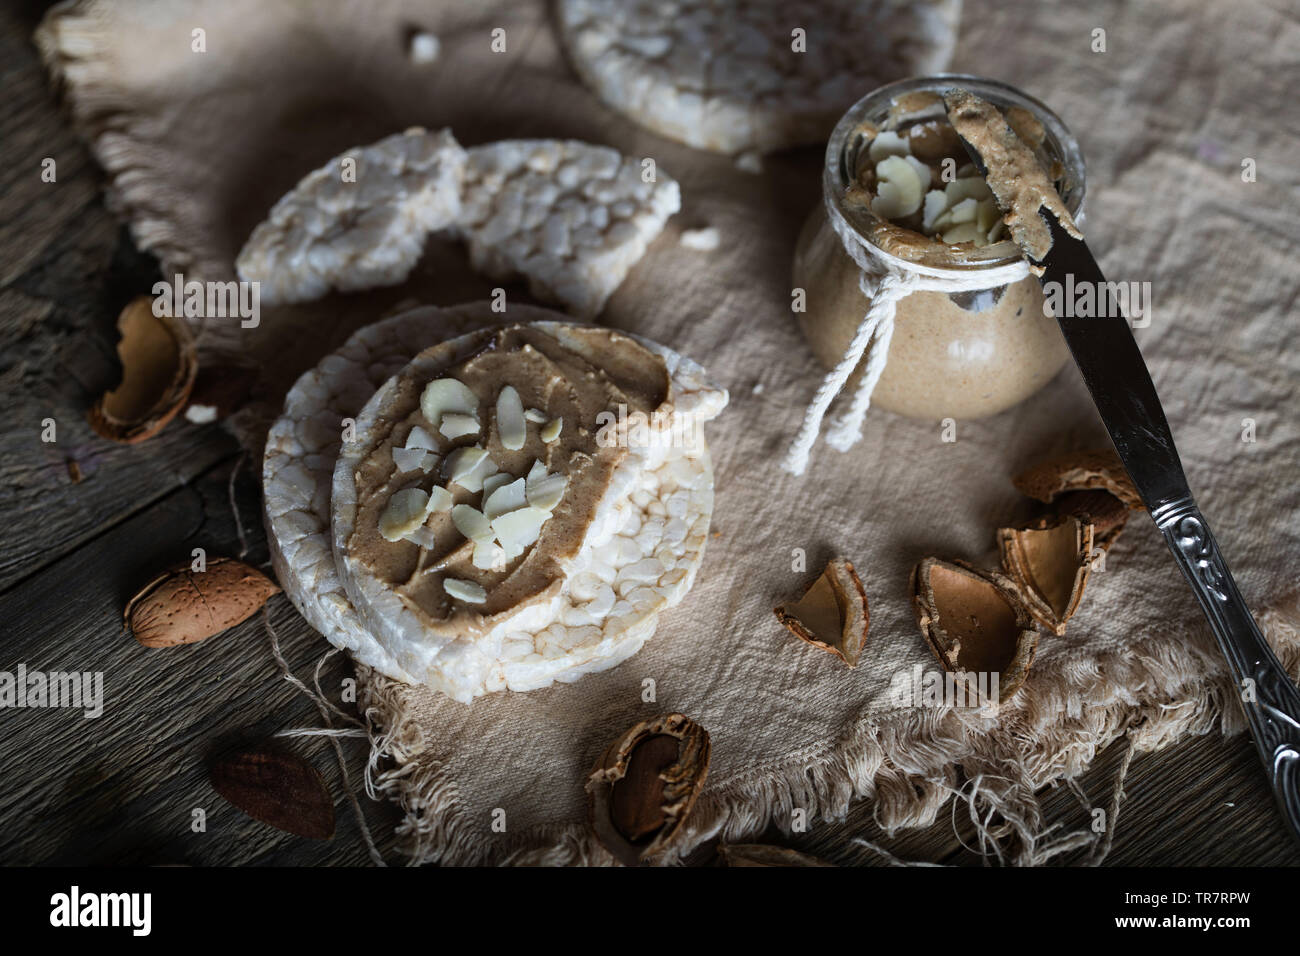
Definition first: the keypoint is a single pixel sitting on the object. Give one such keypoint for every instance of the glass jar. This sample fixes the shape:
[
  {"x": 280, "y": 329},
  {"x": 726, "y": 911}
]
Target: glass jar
[{"x": 959, "y": 355}]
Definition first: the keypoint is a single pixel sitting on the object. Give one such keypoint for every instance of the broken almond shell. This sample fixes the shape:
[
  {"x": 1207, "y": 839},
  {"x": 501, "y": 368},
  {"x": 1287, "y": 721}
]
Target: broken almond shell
[
  {"x": 159, "y": 364},
  {"x": 1049, "y": 562},
  {"x": 832, "y": 614},
  {"x": 1061, "y": 481},
  {"x": 181, "y": 606},
  {"x": 1076, "y": 471},
  {"x": 643, "y": 787},
  {"x": 974, "y": 621}
]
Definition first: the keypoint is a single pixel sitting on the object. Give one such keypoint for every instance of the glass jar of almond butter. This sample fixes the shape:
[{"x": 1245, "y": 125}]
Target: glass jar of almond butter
[{"x": 958, "y": 354}]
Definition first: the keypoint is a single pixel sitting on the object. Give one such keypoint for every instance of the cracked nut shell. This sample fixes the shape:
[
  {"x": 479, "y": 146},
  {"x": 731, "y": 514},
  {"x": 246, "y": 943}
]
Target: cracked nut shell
[
  {"x": 1049, "y": 562},
  {"x": 832, "y": 614},
  {"x": 974, "y": 621},
  {"x": 643, "y": 787},
  {"x": 159, "y": 364},
  {"x": 1091, "y": 485},
  {"x": 181, "y": 606}
]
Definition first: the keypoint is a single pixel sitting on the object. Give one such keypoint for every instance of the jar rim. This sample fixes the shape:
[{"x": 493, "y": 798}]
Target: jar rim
[{"x": 1059, "y": 142}]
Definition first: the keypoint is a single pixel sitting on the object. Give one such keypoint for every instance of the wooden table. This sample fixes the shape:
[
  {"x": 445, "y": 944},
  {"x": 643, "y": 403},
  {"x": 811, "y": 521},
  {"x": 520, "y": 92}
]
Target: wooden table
[{"x": 124, "y": 787}]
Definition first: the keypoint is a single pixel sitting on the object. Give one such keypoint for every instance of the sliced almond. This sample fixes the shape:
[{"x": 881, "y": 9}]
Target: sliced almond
[
  {"x": 466, "y": 591},
  {"x": 1049, "y": 561},
  {"x": 898, "y": 189},
  {"x": 408, "y": 459},
  {"x": 975, "y": 622},
  {"x": 507, "y": 498},
  {"x": 971, "y": 187},
  {"x": 423, "y": 537},
  {"x": 964, "y": 210},
  {"x": 519, "y": 530},
  {"x": 445, "y": 395},
  {"x": 492, "y": 482},
  {"x": 419, "y": 437},
  {"x": 887, "y": 143},
  {"x": 643, "y": 787},
  {"x": 471, "y": 522},
  {"x": 440, "y": 499},
  {"x": 922, "y": 171},
  {"x": 547, "y": 492},
  {"x": 159, "y": 364},
  {"x": 461, "y": 461},
  {"x": 964, "y": 232},
  {"x": 457, "y": 425},
  {"x": 551, "y": 430},
  {"x": 535, "y": 415},
  {"x": 936, "y": 203},
  {"x": 488, "y": 555},
  {"x": 512, "y": 427},
  {"x": 832, "y": 614},
  {"x": 406, "y": 511},
  {"x": 538, "y": 470},
  {"x": 986, "y": 215}
]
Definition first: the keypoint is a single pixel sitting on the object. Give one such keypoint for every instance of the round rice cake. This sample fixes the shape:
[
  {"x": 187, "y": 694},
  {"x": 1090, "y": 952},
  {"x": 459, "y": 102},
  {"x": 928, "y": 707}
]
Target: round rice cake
[
  {"x": 570, "y": 217},
  {"x": 638, "y": 555},
  {"x": 302, "y": 447},
  {"x": 358, "y": 222},
  {"x": 735, "y": 77}
]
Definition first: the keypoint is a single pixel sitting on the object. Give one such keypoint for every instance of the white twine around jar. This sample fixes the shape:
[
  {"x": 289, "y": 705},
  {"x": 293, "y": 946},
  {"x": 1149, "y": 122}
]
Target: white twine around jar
[{"x": 885, "y": 280}]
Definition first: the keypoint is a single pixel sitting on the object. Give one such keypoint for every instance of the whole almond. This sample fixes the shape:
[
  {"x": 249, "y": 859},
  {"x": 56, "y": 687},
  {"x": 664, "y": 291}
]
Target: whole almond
[
  {"x": 182, "y": 606},
  {"x": 276, "y": 787}
]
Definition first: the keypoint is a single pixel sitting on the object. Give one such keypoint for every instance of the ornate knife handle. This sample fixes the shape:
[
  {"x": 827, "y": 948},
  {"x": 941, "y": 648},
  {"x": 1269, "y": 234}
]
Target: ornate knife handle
[{"x": 1269, "y": 698}]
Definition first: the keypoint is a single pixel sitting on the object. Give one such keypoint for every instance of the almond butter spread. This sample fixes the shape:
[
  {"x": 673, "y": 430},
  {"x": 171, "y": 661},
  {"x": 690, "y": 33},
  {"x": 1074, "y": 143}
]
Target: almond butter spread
[
  {"x": 456, "y": 584},
  {"x": 1012, "y": 172}
]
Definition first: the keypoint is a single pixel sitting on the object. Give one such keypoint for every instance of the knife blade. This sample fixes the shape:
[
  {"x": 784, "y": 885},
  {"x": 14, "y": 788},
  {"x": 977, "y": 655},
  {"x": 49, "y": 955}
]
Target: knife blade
[{"x": 1116, "y": 376}]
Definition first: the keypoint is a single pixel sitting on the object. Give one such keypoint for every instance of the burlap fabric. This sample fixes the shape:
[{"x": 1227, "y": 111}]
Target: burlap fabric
[{"x": 198, "y": 145}]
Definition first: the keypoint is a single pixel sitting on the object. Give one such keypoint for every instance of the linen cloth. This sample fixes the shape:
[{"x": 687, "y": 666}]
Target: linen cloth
[{"x": 197, "y": 146}]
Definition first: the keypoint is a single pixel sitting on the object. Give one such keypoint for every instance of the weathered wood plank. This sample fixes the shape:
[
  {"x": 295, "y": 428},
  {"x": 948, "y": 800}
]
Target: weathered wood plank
[{"x": 121, "y": 788}]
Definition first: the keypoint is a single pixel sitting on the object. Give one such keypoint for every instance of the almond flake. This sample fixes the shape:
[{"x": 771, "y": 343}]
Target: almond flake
[
  {"x": 455, "y": 425},
  {"x": 505, "y": 499},
  {"x": 405, "y": 512},
  {"x": 418, "y": 437},
  {"x": 440, "y": 499},
  {"x": 408, "y": 459},
  {"x": 512, "y": 428},
  {"x": 471, "y": 522},
  {"x": 535, "y": 415},
  {"x": 492, "y": 482},
  {"x": 447, "y": 395},
  {"x": 466, "y": 591},
  {"x": 551, "y": 430},
  {"x": 517, "y": 530},
  {"x": 488, "y": 555},
  {"x": 545, "y": 492}
]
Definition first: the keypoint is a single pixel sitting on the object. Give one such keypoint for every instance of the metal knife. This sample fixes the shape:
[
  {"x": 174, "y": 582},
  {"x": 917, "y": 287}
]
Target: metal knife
[{"x": 1106, "y": 353}]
